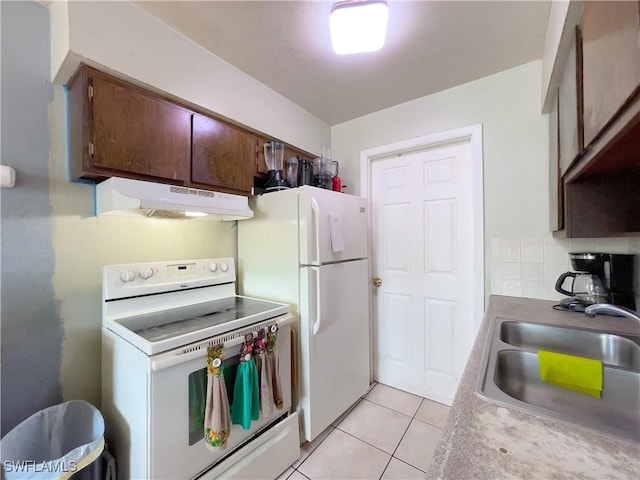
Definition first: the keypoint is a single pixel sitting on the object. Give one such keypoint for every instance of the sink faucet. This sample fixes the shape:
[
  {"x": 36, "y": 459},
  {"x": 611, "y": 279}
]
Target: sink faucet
[{"x": 596, "y": 308}]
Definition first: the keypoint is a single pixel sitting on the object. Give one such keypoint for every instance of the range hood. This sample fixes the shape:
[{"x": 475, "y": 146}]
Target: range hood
[{"x": 123, "y": 196}]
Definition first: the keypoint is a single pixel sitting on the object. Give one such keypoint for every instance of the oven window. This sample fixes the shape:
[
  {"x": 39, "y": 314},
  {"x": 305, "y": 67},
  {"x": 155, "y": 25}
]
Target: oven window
[{"x": 198, "y": 396}]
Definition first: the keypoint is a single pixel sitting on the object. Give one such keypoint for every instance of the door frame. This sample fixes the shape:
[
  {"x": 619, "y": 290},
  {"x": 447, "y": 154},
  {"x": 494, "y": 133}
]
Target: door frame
[{"x": 472, "y": 134}]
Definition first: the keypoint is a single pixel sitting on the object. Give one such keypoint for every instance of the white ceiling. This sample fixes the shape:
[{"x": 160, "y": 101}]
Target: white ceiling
[{"x": 431, "y": 46}]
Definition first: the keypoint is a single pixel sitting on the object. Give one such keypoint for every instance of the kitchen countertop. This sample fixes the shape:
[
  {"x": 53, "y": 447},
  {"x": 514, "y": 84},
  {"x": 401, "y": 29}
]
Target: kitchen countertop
[{"x": 483, "y": 440}]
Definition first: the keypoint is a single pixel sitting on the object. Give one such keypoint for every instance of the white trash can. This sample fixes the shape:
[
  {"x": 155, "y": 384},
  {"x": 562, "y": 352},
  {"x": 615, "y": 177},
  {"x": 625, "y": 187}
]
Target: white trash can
[{"x": 60, "y": 442}]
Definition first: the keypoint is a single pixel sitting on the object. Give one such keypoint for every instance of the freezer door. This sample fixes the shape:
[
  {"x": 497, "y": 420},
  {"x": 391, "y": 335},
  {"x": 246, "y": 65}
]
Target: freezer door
[
  {"x": 334, "y": 335},
  {"x": 333, "y": 226}
]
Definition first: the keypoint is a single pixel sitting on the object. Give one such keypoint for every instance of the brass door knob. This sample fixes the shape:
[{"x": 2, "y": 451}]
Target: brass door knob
[{"x": 377, "y": 282}]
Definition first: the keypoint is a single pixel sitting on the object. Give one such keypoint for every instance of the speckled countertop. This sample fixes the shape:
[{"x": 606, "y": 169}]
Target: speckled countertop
[{"x": 484, "y": 440}]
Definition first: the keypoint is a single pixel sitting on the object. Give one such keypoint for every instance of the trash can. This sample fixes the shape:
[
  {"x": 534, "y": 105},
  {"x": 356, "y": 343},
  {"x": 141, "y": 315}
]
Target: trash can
[{"x": 65, "y": 441}]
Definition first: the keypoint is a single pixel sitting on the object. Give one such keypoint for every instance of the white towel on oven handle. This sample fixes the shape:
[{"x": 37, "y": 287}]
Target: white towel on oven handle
[{"x": 217, "y": 418}]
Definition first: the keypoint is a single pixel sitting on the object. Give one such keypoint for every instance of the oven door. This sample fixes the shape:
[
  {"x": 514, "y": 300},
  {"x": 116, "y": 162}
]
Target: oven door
[{"x": 177, "y": 400}]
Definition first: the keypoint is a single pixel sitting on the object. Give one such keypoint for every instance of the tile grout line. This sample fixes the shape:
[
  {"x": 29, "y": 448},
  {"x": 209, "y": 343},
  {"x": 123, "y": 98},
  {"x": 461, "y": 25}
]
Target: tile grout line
[
  {"x": 392, "y": 455},
  {"x": 385, "y": 468},
  {"x": 363, "y": 441},
  {"x": 430, "y": 424},
  {"x": 402, "y": 438},
  {"x": 314, "y": 449},
  {"x": 355, "y": 438},
  {"x": 389, "y": 408},
  {"x": 334, "y": 427},
  {"x": 407, "y": 463},
  {"x": 384, "y": 406},
  {"x": 296, "y": 470},
  {"x": 404, "y": 434}
]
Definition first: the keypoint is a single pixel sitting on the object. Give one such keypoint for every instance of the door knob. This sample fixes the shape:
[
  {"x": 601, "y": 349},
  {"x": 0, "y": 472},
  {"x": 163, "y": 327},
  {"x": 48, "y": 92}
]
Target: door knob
[{"x": 377, "y": 282}]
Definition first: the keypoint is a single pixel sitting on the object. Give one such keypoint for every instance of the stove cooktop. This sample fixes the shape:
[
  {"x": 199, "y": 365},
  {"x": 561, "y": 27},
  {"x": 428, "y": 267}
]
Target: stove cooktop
[
  {"x": 172, "y": 328},
  {"x": 168, "y": 324}
]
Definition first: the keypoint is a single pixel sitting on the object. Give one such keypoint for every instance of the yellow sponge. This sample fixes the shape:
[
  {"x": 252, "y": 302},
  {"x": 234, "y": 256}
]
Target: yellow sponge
[{"x": 580, "y": 374}]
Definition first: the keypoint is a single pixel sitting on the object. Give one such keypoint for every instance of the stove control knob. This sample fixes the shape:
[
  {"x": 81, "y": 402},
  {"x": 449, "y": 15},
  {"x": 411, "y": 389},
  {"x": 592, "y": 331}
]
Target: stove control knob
[
  {"x": 127, "y": 276},
  {"x": 213, "y": 266},
  {"x": 224, "y": 267},
  {"x": 146, "y": 272}
]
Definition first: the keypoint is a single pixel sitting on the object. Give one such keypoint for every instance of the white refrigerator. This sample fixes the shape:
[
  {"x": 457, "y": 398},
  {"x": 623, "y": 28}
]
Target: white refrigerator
[{"x": 308, "y": 247}]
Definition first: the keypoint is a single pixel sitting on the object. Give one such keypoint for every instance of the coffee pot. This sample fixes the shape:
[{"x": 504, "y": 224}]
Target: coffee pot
[
  {"x": 586, "y": 288},
  {"x": 599, "y": 278}
]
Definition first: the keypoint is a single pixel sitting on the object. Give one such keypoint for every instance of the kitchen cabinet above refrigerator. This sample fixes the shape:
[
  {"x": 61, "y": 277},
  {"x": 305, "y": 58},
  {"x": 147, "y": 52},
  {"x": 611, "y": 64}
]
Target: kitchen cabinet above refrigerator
[{"x": 120, "y": 129}]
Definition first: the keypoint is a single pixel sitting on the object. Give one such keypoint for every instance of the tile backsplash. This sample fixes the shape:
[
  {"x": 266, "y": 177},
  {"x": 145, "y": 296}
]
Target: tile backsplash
[{"x": 529, "y": 267}]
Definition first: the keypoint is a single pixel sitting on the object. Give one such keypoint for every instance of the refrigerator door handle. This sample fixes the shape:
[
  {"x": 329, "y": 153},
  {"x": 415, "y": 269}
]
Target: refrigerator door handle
[
  {"x": 316, "y": 324},
  {"x": 315, "y": 208}
]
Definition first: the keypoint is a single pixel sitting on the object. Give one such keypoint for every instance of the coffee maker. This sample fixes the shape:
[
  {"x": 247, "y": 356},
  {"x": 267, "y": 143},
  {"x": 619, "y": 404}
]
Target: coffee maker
[{"x": 599, "y": 278}]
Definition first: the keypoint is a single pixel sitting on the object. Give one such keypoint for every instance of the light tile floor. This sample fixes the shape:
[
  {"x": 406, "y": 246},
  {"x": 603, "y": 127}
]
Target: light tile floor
[{"x": 387, "y": 434}]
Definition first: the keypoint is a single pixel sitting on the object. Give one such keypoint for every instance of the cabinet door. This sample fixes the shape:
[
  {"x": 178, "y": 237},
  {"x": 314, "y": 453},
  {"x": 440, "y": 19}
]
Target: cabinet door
[
  {"x": 222, "y": 155},
  {"x": 570, "y": 127},
  {"x": 556, "y": 200},
  {"x": 611, "y": 61},
  {"x": 134, "y": 132},
  {"x": 261, "y": 165}
]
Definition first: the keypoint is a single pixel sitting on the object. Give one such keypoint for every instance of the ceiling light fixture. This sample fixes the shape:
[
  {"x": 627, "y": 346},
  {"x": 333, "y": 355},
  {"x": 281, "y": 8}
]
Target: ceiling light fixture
[{"x": 358, "y": 26}]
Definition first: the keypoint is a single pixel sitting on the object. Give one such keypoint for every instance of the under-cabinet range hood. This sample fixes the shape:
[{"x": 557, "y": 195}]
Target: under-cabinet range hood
[{"x": 123, "y": 196}]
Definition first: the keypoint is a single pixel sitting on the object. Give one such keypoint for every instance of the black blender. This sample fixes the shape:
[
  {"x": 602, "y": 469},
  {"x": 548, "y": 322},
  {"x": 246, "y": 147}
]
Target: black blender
[{"x": 273, "y": 158}]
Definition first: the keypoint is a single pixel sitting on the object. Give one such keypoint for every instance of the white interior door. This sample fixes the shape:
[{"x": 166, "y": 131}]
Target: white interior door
[{"x": 423, "y": 242}]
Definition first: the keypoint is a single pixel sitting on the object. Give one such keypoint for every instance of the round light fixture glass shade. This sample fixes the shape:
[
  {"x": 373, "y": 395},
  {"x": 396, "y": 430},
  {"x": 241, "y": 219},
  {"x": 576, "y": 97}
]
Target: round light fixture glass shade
[{"x": 358, "y": 26}]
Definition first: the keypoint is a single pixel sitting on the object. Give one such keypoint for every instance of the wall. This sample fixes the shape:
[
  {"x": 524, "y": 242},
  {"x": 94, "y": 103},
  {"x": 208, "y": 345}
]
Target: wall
[
  {"x": 84, "y": 243},
  {"x": 515, "y": 144},
  {"x": 129, "y": 42},
  {"x": 529, "y": 267},
  {"x": 521, "y": 257},
  {"x": 51, "y": 315},
  {"x": 31, "y": 328}
]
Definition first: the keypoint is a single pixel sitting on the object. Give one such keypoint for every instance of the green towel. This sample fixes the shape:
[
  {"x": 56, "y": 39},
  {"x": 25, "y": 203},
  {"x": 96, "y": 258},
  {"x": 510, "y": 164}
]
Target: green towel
[{"x": 583, "y": 375}]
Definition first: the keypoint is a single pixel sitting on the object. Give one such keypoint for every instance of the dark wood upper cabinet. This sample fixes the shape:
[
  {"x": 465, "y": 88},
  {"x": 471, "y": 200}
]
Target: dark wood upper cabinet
[
  {"x": 556, "y": 204},
  {"x": 117, "y": 129},
  {"x": 223, "y": 155},
  {"x": 610, "y": 61},
  {"x": 261, "y": 165},
  {"x": 599, "y": 154},
  {"x": 568, "y": 111}
]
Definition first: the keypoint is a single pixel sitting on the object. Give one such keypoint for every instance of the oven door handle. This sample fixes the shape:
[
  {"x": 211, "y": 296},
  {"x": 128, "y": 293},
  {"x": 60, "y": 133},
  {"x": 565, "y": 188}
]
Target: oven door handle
[{"x": 191, "y": 352}]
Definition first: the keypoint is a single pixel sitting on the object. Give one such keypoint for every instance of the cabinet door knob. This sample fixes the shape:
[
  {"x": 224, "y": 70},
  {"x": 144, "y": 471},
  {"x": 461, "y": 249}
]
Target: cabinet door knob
[{"x": 377, "y": 282}]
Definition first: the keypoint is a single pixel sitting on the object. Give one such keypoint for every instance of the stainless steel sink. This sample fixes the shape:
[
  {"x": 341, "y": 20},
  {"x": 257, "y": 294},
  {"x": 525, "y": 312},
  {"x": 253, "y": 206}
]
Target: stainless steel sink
[
  {"x": 509, "y": 375},
  {"x": 611, "y": 349}
]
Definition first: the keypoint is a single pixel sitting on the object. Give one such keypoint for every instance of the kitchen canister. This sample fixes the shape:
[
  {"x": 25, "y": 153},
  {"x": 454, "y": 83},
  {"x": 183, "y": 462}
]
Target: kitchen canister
[
  {"x": 305, "y": 172},
  {"x": 292, "y": 172}
]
